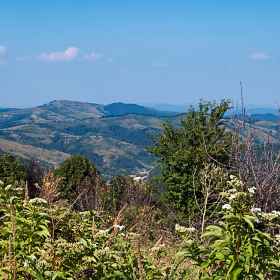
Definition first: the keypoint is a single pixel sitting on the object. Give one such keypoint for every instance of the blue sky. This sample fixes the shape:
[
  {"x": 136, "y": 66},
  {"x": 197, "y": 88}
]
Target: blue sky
[{"x": 149, "y": 51}]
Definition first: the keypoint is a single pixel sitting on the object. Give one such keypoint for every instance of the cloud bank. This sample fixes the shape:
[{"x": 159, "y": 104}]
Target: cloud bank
[
  {"x": 70, "y": 54},
  {"x": 258, "y": 56},
  {"x": 93, "y": 56},
  {"x": 2, "y": 49}
]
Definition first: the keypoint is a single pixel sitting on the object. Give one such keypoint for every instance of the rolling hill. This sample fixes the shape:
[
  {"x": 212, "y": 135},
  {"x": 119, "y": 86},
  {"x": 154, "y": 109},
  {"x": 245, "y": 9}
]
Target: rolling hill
[{"x": 113, "y": 136}]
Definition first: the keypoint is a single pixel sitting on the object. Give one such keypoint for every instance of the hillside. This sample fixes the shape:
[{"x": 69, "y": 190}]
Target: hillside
[{"x": 113, "y": 136}]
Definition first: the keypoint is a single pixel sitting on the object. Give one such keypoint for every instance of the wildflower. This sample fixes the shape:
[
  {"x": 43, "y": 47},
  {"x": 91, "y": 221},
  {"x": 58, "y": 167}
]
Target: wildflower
[
  {"x": 1, "y": 183},
  {"x": 103, "y": 231},
  {"x": 269, "y": 216},
  {"x": 191, "y": 229},
  {"x": 251, "y": 190},
  {"x": 276, "y": 213},
  {"x": 231, "y": 177},
  {"x": 189, "y": 242},
  {"x": 232, "y": 191},
  {"x": 233, "y": 196},
  {"x": 119, "y": 227},
  {"x": 277, "y": 237},
  {"x": 226, "y": 206},
  {"x": 256, "y": 210},
  {"x": 32, "y": 258},
  {"x": 157, "y": 248},
  {"x": 37, "y": 200},
  {"x": 106, "y": 248},
  {"x": 184, "y": 229},
  {"x": 25, "y": 264}
]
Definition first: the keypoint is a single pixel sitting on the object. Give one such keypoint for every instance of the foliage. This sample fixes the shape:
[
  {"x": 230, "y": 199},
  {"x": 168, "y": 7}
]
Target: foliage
[
  {"x": 42, "y": 239},
  {"x": 11, "y": 169},
  {"x": 201, "y": 138},
  {"x": 80, "y": 175},
  {"x": 240, "y": 247},
  {"x": 34, "y": 175}
]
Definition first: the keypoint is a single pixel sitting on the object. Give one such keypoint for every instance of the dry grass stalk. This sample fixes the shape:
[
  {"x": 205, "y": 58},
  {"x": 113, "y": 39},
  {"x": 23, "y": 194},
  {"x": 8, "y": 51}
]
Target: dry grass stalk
[
  {"x": 116, "y": 223},
  {"x": 49, "y": 188},
  {"x": 15, "y": 269},
  {"x": 119, "y": 217},
  {"x": 26, "y": 194},
  {"x": 159, "y": 242},
  {"x": 93, "y": 227},
  {"x": 133, "y": 228},
  {"x": 10, "y": 254},
  {"x": 13, "y": 227},
  {"x": 42, "y": 257},
  {"x": 140, "y": 265}
]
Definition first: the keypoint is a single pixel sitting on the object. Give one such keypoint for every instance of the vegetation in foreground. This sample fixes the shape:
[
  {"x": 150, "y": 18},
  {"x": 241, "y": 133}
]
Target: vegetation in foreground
[{"x": 75, "y": 226}]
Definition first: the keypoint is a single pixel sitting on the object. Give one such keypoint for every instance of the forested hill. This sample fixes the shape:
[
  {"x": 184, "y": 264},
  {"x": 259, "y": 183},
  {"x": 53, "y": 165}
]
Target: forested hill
[{"x": 113, "y": 136}]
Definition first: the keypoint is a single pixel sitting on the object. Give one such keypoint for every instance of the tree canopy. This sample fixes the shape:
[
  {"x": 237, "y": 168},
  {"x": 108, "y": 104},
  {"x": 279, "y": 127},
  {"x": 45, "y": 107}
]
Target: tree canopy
[
  {"x": 11, "y": 169},
  {"x": 79, "y": 173},
  {"x": 181, "y": 150}
]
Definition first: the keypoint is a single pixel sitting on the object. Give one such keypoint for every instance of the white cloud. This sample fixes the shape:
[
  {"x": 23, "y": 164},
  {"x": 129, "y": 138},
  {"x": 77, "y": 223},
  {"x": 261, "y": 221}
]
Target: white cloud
[
  {"x": 258, "y": 56},
  {"x": 70, "y": 54},
  {"x": 110, "y": 60},
  {"x": 23, "y": 58},
  {"x": 93, "y": 56},
  {"x": 2, "y": 49},
  {"x": 160, "y": 64}
]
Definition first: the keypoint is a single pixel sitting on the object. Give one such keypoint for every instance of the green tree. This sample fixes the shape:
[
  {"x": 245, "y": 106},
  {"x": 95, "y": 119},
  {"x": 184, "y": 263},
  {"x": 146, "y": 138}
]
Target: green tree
[
  {"x": 34, "y": 175},
  {"x": 82, "y": 179},
  {"x": 11, "y": 169},
  {"x": 201, "y": 138}
]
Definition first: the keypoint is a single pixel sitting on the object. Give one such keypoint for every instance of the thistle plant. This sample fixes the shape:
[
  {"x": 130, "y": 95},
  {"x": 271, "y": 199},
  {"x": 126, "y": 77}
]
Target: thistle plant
[{"x": 240, "y": 247}]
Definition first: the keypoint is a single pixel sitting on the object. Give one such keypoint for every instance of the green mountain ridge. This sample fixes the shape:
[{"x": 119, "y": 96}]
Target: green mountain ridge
[{"x": 113, "y": 136}]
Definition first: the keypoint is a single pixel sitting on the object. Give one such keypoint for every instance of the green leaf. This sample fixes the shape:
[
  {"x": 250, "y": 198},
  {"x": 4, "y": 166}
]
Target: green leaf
[
  {"x": 260, "y": 276},
  {"x": 235, "y": 273},
  {"x": 12, "y": 199},
  {"x": 205, "y": 264},
  {"x": 220, "y": 256},
  {"x": 233, "y": 262},
  {"x": 248, "y": 219},
  {"x": 8, "y": 187},
  {"x": 83, "y": 241}
]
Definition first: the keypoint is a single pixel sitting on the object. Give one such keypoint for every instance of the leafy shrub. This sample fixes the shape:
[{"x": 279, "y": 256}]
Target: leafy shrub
[{"x": 240, "y": 247}]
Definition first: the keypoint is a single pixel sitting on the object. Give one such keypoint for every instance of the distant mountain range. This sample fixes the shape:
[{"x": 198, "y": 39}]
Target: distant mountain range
[
  {"x": 185, "y": 107},
  {"x": 113, "y": 136}
]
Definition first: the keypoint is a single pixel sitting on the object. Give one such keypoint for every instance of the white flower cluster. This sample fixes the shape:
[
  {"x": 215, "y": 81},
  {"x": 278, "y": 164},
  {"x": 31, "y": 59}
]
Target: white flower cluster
[
  {"x": 277, "y": 237},
  {"x": 235, "y": 181},
  {"x": 119, "y": 227},
  {"x": 37, "y": 200},
  {"x": 184, "y": 229},
  {"x": 256, "y": 210},
  {"x": 276, "y": 213},
  {"x": 252, "y": 190},
  {"x": 103, "y": 231},
  {"x": 226, "y": 206},
  {"x": 269, "y": 216},
  {"x": 1, "y": 183},
  {"x": 158, "y": 248}
]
